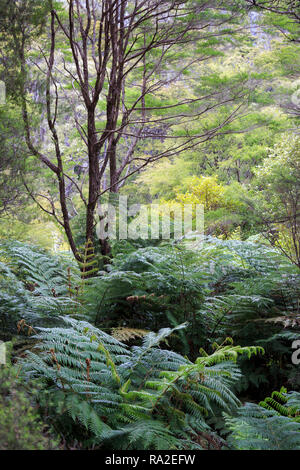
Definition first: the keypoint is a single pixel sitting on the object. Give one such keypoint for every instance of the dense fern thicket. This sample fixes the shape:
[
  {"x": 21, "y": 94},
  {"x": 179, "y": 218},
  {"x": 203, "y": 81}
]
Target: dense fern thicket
[
  {"x": 271, "y": 425},
  {"x": 231, "y": 288},
  {"x": 33, "y": 287},
  {"x": 107, "y": 381},
  {"x": 141, "y": 397}
]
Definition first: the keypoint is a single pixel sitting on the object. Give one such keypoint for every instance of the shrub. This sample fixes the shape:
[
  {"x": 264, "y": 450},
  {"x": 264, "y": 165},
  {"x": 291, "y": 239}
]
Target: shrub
[
  {"x": 20, "y": 425},
  {"x": 112, "y": 396}
]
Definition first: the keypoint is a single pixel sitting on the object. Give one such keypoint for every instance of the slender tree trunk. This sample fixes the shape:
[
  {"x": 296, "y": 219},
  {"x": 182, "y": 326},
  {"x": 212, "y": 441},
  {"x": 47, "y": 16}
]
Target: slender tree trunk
[{"x": 94, "y": 175}]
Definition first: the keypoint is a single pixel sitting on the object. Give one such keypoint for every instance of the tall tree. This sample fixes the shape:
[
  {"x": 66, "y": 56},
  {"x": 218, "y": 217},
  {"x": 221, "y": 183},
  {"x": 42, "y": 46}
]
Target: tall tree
[
  {"x": 107, "y": 68},
  {"x": 21, "y": 22}
]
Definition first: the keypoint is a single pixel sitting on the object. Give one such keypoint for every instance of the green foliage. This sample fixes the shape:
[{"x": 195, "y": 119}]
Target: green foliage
[
  {"x": 33, "y": 286},
  {"x": 282, "y": 14},
  {"x": 138, "y": 350},
  {"x": 112, "y": 393},
  {"x": 228, "y": 288},
  {"x": 251, "y": 284},
  {"x": 279, "y": 402},
  {"x": 205, "y": 191},
  {"x": 89, "y": 264},
  {"x": 277, "y": 201},
  {"x": 101, "y": 392},
  {"x": 265, "y": 427},
  {"x": 149, "y": 288},
  {"x": 21, "y": 427}
]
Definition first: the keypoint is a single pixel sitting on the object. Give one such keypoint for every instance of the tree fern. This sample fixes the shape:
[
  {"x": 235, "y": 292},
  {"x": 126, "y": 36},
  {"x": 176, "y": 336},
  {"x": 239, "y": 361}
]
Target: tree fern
[
  {"x": 33, "y": 286},
  {"x": 111, "y": 390},
  {"x": 257, "y": 428}
]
